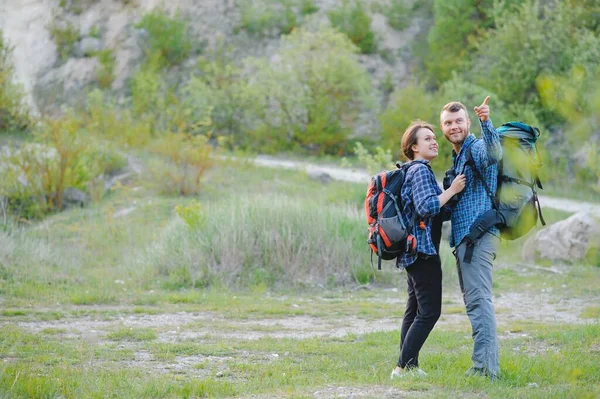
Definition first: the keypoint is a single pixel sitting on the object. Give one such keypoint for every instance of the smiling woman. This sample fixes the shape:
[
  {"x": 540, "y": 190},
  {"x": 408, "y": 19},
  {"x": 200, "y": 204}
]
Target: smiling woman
[{"x": 422, "y": 202}]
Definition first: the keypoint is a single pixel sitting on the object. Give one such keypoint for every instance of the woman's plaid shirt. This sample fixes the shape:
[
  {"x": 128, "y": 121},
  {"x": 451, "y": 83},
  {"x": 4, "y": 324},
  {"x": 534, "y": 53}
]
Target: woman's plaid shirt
[
  {"x": 486, "y": 152},
  {"x": 419, "y": 193}
]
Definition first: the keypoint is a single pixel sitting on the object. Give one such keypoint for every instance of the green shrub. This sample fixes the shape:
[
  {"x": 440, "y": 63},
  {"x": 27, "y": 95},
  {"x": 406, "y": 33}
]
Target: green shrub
[
  {"x": 167, "y": 36},
  {"x": 353, "y": 20},
  {"x": 397, "y": 14},
  {"x": 448, "y": 40},
  {"x": 576, "y": 96},
  {"x": 272, "y": 18},
  {"x": 108, "y": 122},
  {"x": 105, "y": 74},
  {"x": 224, "y": 88},
  {"x": 529, "y": 40},
  {"x": 308, "y": 7},
  {"x": 65, "y": 36},
  {"x": 186, "y": 157},
  {"x": 149, "y": 93},
  {"x": 39, "y": 173},
  {"x": 374, "y": 162},
  {"x": 258, "y": 19},
  {"x": 316, "y": 89},
  {"x": 74, "y": 6},
  {"x": 14, "y": 113},
  {"x": 451, "y": 46},
  {"x": 193, "y": 215},
  {"x": 406, "y": 105}
]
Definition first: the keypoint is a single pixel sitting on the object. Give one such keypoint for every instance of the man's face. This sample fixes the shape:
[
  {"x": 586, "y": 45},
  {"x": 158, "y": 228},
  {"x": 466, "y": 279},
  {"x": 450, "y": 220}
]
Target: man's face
[{"x": 455, "y": 126}]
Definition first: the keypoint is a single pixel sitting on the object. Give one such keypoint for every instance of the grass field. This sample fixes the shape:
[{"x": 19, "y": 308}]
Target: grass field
[{"x": 262, "y": 287}]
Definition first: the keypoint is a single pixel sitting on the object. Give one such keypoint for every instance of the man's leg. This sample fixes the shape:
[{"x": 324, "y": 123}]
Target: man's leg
[{"x": 476, "y": 278}]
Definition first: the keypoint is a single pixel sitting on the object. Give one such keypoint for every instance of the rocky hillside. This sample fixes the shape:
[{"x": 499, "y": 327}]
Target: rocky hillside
[{"x": 57, "y": 42}]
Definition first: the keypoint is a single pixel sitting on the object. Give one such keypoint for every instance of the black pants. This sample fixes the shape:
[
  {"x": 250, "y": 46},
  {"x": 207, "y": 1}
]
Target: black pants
[{"x": 423, "y": 307}]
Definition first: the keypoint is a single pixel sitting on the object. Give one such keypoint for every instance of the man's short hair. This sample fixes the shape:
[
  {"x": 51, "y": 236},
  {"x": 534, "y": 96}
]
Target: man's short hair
[{"x": 455, "y": 106}]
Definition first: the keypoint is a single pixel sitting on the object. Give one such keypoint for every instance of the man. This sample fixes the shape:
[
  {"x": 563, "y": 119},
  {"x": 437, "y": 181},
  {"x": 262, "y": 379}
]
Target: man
[{"x": 475, "y": 269}]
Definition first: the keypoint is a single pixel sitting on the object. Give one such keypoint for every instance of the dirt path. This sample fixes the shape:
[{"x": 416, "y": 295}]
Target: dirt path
[
  {"x": 204, "y": 326},
  {"x": 514, "y": 310},
  {"x": 361, "y": 176}
]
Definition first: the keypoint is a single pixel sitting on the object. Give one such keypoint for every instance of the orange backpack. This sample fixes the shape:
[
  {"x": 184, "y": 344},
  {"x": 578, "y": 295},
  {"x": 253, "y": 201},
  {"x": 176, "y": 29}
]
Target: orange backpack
[{"x": 389, "y": 237}]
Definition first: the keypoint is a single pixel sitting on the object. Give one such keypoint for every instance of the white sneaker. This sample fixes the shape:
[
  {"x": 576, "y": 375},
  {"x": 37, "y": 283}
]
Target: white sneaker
[
  {"x": 397, "y": 374},
  {"x": 415, "y": 371},
  {"x": 418, "y": 372}
]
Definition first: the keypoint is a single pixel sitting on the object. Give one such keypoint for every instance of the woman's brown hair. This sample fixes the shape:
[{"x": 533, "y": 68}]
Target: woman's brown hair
[{"x": 409, "y": 138}]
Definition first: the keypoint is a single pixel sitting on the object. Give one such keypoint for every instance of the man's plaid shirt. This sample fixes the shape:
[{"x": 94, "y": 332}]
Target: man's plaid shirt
[
  {"x": 475, "y": 201},
  {"x": 419, "y": 193}
]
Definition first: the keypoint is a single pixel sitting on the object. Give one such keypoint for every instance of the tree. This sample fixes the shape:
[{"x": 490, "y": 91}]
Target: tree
[{"x": 315, "y": 88}]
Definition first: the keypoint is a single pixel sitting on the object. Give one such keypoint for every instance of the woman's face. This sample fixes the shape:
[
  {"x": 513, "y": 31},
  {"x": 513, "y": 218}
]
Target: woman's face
[{"x": 426, "y": 147}]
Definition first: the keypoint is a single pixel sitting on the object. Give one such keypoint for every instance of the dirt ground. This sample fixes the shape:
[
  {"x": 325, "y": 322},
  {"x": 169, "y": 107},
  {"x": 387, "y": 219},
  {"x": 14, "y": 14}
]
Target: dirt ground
[{"x": 211, "y": 327}]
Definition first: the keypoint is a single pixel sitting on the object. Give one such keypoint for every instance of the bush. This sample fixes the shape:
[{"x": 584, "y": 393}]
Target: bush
[
  {"x": 316, "y": 90},
  {"x": 353, "y": 20},
  {"x": 451, "y": 46},
  {"x": 148, "y": 89},
  {"x": 14, "y": 113},
  {"x": 576, "y": 97},
  {"x": 259, "y": 18},
  {"x": 105, "y": 74},
  {"x": 448, "y": 40},
  {"x": 187, "y": 158},
  {"x": 376, "y": 162},
  {"x": 308, "y": 7},
  {"x": 532, "y": 39},
  {"x": 106, "y": 121},
  {"x": 406, "y": 105},
  {"x": 272, "y": 18},
  {"x": 167, "y": 36},
  {"x": 226, "y": 90},
  {"x": 65, "y": 36},
  {"x": 37, "y": 174},
  {"x": 398, "y": 14}
]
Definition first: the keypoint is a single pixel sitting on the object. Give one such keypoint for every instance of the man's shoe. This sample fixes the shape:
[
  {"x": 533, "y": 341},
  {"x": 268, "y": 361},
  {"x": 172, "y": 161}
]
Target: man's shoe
[
  {"x": 477, "y": 372},
  {"x": 474, "y": 372}
]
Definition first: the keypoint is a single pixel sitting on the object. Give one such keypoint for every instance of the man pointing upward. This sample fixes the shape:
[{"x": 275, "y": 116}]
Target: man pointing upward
[{"x": 474, "y": 261}]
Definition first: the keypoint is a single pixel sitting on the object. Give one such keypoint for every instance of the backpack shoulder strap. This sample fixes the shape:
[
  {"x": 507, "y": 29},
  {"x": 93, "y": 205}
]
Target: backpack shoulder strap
[
  {"x": 471, "y": 162},
  {"x": 409, "y": 165}
]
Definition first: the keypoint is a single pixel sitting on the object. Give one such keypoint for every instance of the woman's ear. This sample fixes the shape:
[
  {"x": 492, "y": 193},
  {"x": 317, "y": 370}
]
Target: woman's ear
[{"x": 414, "y": 148}]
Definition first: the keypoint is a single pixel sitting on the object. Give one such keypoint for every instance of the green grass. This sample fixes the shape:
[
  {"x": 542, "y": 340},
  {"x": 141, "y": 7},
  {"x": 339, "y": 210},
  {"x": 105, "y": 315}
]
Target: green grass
[
  {"x": 591, "y": 312},
  {"x": 132, "y": 334},
  {"x": 87, "y": 312},
  {"x": 569, "y": 190},
  {"x": 560, "y": 359}
]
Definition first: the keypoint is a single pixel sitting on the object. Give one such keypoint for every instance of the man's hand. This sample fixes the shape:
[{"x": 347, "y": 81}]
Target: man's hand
[{"x": 483, "y": 111}]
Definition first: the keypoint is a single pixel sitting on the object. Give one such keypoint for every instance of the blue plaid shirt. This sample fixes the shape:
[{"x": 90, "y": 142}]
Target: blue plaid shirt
[
  {"x": 419, "y": 193},
  {"x": 475, "y": 201}
]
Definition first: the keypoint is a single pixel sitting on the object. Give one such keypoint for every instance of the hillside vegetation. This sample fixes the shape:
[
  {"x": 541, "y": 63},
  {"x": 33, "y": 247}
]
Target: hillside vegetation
[{"x": 187, "y": 102}]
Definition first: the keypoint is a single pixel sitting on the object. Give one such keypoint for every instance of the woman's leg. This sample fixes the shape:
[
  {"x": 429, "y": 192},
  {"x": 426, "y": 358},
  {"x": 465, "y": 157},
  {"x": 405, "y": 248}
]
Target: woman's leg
[
  {"x": 426, "y": 275},
  {"x": 410, "y": 313}
]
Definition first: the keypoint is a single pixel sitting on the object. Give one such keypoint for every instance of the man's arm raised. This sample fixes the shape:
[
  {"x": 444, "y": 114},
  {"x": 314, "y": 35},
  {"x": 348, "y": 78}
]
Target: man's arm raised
[{"x": 491, "y": 139}]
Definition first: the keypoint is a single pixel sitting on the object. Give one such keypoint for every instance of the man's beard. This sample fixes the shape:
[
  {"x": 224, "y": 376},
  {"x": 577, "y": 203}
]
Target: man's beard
[{"x": 456, "y": 140}]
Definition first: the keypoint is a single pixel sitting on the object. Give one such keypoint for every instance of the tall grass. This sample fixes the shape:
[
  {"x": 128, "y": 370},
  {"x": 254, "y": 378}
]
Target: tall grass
[
  {"x": 29, "y": 266},
  {"x": 265, "y": 240}
]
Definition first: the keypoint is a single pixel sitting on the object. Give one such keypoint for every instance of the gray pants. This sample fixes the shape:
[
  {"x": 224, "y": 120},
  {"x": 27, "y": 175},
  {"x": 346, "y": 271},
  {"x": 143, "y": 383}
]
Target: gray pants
[{"x": 475, "y": 280}]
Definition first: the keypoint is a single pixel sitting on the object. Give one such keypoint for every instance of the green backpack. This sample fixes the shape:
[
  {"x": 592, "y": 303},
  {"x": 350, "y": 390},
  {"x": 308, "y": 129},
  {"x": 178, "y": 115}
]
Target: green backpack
[{"x": 516, "y": 206}]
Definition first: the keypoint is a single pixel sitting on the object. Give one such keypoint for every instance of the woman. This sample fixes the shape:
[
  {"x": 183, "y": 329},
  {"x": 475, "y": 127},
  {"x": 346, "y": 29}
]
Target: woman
[{"x": 422, "y": 200}]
